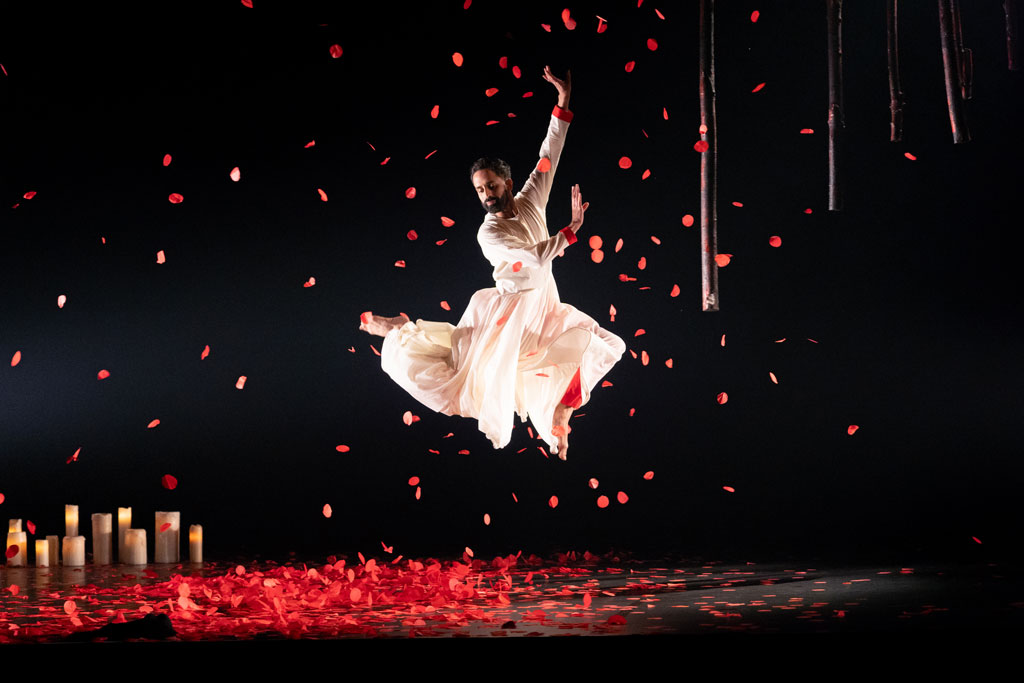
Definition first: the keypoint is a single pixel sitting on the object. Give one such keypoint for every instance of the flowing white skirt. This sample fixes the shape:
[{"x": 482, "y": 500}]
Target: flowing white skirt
[{"x": 510, "y": 353}]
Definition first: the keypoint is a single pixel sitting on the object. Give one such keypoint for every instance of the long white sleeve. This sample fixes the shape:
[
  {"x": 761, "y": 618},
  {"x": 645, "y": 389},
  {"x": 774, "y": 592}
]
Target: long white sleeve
[{"x": 537, "y": 187}]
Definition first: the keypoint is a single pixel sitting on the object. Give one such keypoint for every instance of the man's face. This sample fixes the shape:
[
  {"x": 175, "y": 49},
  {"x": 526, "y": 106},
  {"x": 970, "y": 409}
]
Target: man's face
[{"x": 493, "y": 192}]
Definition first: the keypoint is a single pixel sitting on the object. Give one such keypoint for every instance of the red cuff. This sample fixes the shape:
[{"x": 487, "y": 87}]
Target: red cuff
[
  {"x": 570, "y": 236},
  {"x": 563, "y": 114}
]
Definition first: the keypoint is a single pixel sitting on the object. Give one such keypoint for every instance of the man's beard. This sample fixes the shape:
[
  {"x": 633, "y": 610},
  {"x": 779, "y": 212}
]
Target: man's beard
[{"x": 498, "y": 206}]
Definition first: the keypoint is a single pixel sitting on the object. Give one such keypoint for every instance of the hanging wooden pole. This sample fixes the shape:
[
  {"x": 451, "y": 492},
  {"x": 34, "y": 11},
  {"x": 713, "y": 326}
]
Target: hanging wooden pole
[
  {"x": 896, "y": 100},
  {"x": 835, "y": 101},
  {"x": 951, "y": 66},
  {"x": 1012, "y": 10},
  {"x": 964, "y": 55},
  {"x": 708, "y": 160}
]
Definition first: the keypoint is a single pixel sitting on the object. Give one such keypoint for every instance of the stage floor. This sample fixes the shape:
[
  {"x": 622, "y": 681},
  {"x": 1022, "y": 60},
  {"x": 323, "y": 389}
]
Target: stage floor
[{"x": 503, "y": 598}]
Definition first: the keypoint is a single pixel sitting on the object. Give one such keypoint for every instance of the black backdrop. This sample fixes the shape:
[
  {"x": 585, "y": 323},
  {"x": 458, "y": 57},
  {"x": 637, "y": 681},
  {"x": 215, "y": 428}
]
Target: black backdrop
[{"x": 908, "y": 292}]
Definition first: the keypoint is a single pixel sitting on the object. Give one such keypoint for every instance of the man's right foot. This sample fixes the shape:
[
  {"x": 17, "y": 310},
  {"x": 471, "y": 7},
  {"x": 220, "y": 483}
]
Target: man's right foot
[{"x": 381, "y": 325}]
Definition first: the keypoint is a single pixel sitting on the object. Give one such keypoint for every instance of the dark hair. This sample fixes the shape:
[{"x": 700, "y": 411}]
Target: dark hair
[{"x": 491, "y": 164}]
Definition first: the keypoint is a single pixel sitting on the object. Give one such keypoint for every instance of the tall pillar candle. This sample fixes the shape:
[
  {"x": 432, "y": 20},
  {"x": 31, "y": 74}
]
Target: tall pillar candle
[
  {"x": 167, "y": 542},
  {"x": 54, "y": 543},
  {"x": 71, "y": 520},
  {"x": 124, "y": 523},
  {"x": 135, "y": 546},
  {"x": 20, "y": 539},
  {"x": 195, "y": 543},
  {"x": 14, "y": 525},
  {"x": 42, "y": 552},
  {"x": 74, "y": 551},
  {"x": 102, "y": 533}
]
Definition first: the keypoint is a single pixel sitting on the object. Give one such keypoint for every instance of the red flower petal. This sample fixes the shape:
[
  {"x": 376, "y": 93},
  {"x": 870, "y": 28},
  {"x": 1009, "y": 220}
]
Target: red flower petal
[
  {"x": 629, "y": 66},
  {"x": 687, "y": 220},
  {"x": 312, "y": 143},
  {"x": 411, "y": 234},
  {"x": 544, "y": 165},
  {"x": 12, "y": 550},
  {"x": 754, "y": 15},
  {"x": 722, "y": 398},
  {"x": 723, "y": 340},
  {"x": 618, "y": 246},
  {"x": 152, "y": 424},
  {"x": 757, "y": 87},
  {"x": 625, "y": 162},
  {"x": 775, "y": 241},
  {"x": 729, "y": 489},
  {"x": 503, "y": 62},
  {"x": 644, "y": 358},
  {"x": 772, "y": 377},
  {"x": 602, "y": 501},
  {"x": 602, "y": 25},
  {"x": 323, "y": 195},
  {"x": 722, "y": 260},
  {"x": 16, "y": 358},
  {"x": 175, "y": 198},
  {"x": 61, "y": 300},
  {"x": 335, "y": 51},
  {"x": 646, "y": 174},
  {"x": 327, "y": 511},
  {"x": 410, "y": 192},
  {"x": 516, "y": 71},
  {"x": 413, "y": 481},
  {"x": 447, "y": 222},
  {"x": 597, "y": 256},
  {"x": 649, "y": 475},
  {"x": 595, "y": 242},
  {"x": 30, "y": 525},
  {"x": 491, "y": 92},
  {"x": 487, "y": 519},
  {"x": 419, "y": 492},
  {"x": 851, "y": 429},
  {"x": 910, "y": 156},
  {"x": 342, "y": 448},
  {"x": 652, "y": 44},
  {"x": 400, "y": 264},
  {"x": 235, "y": 174},
  {"x": 517, "y": 266},
  {"x": 165, "y": 526},
  {"x": 622, "y": 497},
  {"x": 701, "y": 146},
  {"x": 102, "y": 374},
  {"x": 639, "y": 332},
  {"x": 642, "y": 263},
  {"x": 675, "y": 291},
  {"x": 167, "y": 160},
  {"x": 806, "y": 131},
  {"x": 241, "y": 382},
  {"x": 169, "y": 482},
  {"x": 668, "y": 363},
  {"x": 445, "y": 306},
  {"x": 553, "y": 501},
  {"x": 457, "y": 58},
  {"x": 546, "y": 27},
  {"x": 435, "y": 111},
  {"x": 160, "y": 257}
]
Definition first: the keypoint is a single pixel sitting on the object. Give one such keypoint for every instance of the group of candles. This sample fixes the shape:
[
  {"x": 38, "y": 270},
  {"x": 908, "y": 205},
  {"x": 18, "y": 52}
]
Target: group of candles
[{"x": 131, "y": 543}]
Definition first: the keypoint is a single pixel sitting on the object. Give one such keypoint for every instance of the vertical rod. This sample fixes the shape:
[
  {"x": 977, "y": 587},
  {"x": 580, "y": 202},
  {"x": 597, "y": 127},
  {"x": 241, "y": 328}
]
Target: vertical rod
[
  {"x": 896, "y": 100},
  {"x": 1011, "y": 9},
  {"x": 835, "y": 102},
  {"x": 708, "y": 160},
  {"x": 951, "y": 69}
]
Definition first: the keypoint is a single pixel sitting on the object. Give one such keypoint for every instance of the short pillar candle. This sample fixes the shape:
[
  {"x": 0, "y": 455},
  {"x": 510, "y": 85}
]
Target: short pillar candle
[
  {"x": 14, "y": 525},
  {"x": 195, "y": 543},
  {"x": 20, "y": 539},
  {"x": 167, "y": 542},
  {"x": 42, "y": 552},
  {"x": 135, "y": 546},
  {"x": 54, "y": 543},
  {"x": 124, "y": 523},
  {"x": 71, "y": 520},
  {"x": 74, "y": 551},
  {"x": 102, "y": 533}
]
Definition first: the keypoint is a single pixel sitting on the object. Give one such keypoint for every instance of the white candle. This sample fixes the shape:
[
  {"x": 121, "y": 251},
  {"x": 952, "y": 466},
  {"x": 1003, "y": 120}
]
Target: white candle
[
  {"x": 195, "y": 543},
  {"x": 74, "y": 551},
  {"x": 102, "y": 532},
  {"x": 42, "y": 552},
  {"x": 124, "y": 522},
  {"x": 135, "y": 546},
  {"x": 167, "y": 542},
  {"x": 71, "y": 520},
  {"x": 14, "y": 525},
  {"x": 54, "y": 544},
  {"x": 20, "y": 539}
]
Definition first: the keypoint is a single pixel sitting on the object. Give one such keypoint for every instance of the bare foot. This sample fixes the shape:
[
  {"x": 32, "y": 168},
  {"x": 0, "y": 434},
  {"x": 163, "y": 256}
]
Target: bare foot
[
  {"x": 560, "y": 428},
  {"x": 381, "y": 325}
]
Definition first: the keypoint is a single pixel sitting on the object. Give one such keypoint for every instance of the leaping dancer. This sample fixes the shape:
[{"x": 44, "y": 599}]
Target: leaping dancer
[{"x": 517, "y": 348}]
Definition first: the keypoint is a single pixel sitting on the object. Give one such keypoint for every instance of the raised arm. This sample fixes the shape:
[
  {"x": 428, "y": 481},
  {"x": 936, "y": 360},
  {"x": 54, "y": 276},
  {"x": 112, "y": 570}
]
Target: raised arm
[{"x": 537, "y": 188}]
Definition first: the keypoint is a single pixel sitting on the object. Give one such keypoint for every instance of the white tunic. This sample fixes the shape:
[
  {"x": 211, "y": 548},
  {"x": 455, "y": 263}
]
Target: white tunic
[{"x": 517, "y": 347}]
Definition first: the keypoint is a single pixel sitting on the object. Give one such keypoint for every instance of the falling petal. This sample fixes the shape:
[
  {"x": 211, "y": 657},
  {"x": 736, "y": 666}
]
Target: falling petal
[
  {"x": 205, "y": 353},
  {"x": 491, "y": 92},
  {"x": 167, "y": 160},
  {"x": 775, "y": 241},
  {"x": 642, "y": 263},
  {"x": 722, "y": 260},
  {"x": 975, "y": 539},
  {"x": 910, "y": 156},
  {"x": 386, "y": 160},
  {"x": 152, "y": 424},
  {"x": 652, "y": 44},
  {"x": 169, "y": 482},
  {"x": 629, "y": 66},
  {"x": 419, "y": 492},
  {"x": 649, "y": 475},
  {"x": 602, "y": 501},
  {"x": 618, "y": 246},
  {"x": 757, "y": 87},
  {"x": 597, "y": 256},
  {"x": 175, "y": 198},
  {"x": 602, "y": 25},
  {"x": 516, "y": 71},
  {"x": 342, "y": 448},
  {"x": 102, "y": 374},
  {"x": 729, "y": 489},
  {"x": 323, "y": 195},
  {"x": 723, "y": 340},
  {"x": 595, "y": 242},
  {"x": 29, "y": 524},
  {"x": 553, "y": 501},
  {"x": 851, "y": 429},
  {"x": 771, "y": 375},
  {"x": 327, "y": 513},
  {"x": 503, "y": 62},
  {"x": 739, "y": 204},
  {"x": 61, "y": 300},
  {"x": 447, "y": 222},
  {"x": 335, "y": 51},
  {"x": 546, "y": 27},
  {"x": 639, "y": 332},
  {"x": 160, "y": 257},
  {"x": 445, "y": 306},
  {"x": 569, "y": 22},
  {"x": 413, "y": 481},
  {"x": 487, "y": 519},
  {"x": 457, "y": 58},
  {"x": 806, "y": 131},
  {"x": 701, "y": 146},
  {"x": 517, "y": 266},
  {"x": 644, "y": 358},
  {"x": 165, "y": 526},
  {"x": 754, "y": 15},
  {"x": 312, "y": 143},
  {"x": 235, "y": 174},
  {"x": 722, "y": 398},
  {"x": 241, "y": 381},
  {"x": 625, "y": 162},
  {"x": 668, "y": 363},
  {"x": 622, "y": 497},
  {"x": 407, "y": 417},
  {"x": 74, "y": 456},
  {"x": 411, "y": 234},
  {"x": 491, "y": 122},
  {"x": 410, "y": 192},
  {"x": 687, "y": 220},
  {"x": 593, "y": 483},
  {"x": 675, "y": 291},
  {"x": 779, "y": 341},
  {"x": 12, "y": 550},
  {"x": 544, "y": 165},
  {"x": 16, "y": 358},
  {"x": 612, "y": 312},
  {"x": 632, "y": 412},
  {"x": 646, "y": 174}
]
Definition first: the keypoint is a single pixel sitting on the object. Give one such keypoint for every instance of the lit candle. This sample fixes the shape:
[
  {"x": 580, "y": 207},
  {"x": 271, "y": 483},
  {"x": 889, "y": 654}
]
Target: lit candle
[
  {"x": 14, "y": 525},
  {"x": 102, "y": 532},
  {"x": 124, "y": 522},
  {"x": 195, "y": 543},
  {"x": 74, "y": 551},
  {"x": 135, "y": 546},
  {"x": 54, "y": 544},
  {"x": 71, "y": 520},
  {"x": 167, "y": 542},
  {"x": 42, "y": 552},
  {"x": 20, "y": 539}
]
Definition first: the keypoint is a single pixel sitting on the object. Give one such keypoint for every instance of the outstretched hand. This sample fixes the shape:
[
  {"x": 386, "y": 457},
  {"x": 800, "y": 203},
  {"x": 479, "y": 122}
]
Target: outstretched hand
[
  {"x": 564, "y": 88},
  {"x": 578, "y": 208}
]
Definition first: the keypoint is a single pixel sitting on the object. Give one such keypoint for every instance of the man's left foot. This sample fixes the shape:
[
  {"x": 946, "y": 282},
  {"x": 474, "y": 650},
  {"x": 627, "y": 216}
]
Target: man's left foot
[{"x": 560, "y": 428}]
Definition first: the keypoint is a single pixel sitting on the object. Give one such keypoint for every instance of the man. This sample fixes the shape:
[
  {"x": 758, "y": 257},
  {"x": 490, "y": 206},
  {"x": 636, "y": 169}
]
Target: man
[{"x": 517, "y": 348}]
